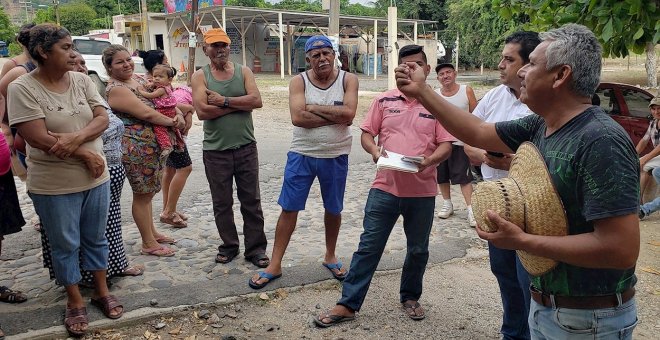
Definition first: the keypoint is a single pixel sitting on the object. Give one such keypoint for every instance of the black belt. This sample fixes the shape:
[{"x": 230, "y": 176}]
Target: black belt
[{"x": 582, "y": 302}]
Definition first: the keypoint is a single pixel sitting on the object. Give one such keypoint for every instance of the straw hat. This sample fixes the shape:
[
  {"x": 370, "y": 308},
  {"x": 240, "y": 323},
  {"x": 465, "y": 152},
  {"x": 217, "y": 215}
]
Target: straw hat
[{"x": 528, "y": 199}]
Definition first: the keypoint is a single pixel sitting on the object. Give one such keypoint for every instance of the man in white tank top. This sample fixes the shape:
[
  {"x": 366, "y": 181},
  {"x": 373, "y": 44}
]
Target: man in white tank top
[
  {"x": 456, "y": 169},
  {"x": 322, "y": 102}
]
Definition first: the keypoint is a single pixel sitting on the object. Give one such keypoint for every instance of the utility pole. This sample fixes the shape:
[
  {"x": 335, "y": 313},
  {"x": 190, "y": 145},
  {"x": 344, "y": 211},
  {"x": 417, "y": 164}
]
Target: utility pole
[
  {"x": 192, "y": 40},
  {"x": 333, "y": 24},
  {"x": 457, "y": 49},
  {"x": 145, "y": 27},
  {"x": 393, "y": 46},
  {"x": 56, "y": 4}
]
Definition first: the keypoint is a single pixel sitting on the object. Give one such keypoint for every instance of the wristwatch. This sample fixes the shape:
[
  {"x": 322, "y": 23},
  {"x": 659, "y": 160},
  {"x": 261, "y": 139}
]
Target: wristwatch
[{"x": 226, "y": 103}]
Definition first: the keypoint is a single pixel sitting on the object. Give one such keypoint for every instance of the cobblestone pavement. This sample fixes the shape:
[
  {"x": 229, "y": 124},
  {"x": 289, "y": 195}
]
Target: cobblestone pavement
[{"x": 21, "y": 266}]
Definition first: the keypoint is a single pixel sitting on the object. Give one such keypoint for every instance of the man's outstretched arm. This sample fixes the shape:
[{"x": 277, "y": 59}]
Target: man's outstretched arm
[{"x": 411, "y": 80}]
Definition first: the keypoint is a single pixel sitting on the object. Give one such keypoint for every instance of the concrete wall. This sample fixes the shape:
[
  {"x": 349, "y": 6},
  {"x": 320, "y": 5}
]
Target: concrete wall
[{"x": 177, "y": 46}]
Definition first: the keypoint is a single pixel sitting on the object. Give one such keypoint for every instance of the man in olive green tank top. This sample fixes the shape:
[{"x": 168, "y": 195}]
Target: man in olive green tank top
[{"x": 224, "y": 95}]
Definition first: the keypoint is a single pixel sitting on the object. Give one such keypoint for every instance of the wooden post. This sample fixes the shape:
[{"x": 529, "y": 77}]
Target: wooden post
[
  {"x": 375, "y": 50},
  {"x": 192, "y": 47},
  {"x": 145, "y": 26},
  {"x": 392, "y": 60}
]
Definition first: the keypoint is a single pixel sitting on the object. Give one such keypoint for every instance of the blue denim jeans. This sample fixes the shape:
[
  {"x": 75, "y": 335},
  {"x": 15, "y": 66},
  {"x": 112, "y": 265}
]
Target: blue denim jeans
[
  {"x": 75, "y": 224},
  {"x": 380, "y": 214},
  {"x": 653, "y": 206},
  {"x": 563, "y": 323},
  {"x": 514, "y": 290}
]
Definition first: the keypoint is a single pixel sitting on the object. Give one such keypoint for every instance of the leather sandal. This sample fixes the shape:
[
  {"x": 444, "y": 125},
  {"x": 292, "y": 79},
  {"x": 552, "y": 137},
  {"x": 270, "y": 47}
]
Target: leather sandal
[
  {"x": 222, "y": 258},
  {"x": 10, "y": 296},
  {"x": 107, "y": 304},
  {"x": 259, "y": 260},
  {"x": 174, "y": 220},
  {"x": 75, "y": 316},
  {"x": 413, "y": 309},
  {"x": 182, "y": 215}
]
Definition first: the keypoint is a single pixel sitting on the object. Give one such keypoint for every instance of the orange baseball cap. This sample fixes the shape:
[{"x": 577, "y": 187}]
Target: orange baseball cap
[{"x": 215, "y": 35}]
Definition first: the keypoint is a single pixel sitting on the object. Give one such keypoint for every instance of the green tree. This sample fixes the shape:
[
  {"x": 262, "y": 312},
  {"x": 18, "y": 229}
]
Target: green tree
[
  {"x": 248, "y": 3},
  {"x": 44, "y": 15},
  {"x": 480, "y": 29},
  {"x": 356, "y": 9},
  {"x": 133, "y": 6},
  {"x": 299, "y": 5},
  {"x": 128, "y": 6},
  {"x": 621, "y": 26},
  {"x": 7, "y": 31},
  {"x": 103, "y": 7},
  {"x": 77, "y": 17},
  {"x": 155, "y": 6}
]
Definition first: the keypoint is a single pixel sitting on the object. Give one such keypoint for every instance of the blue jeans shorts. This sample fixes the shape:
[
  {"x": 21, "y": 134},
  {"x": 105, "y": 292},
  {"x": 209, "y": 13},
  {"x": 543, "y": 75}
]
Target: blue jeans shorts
[
  {"x": 75, "y": 223},
  {"x": 299, "y": 174}
]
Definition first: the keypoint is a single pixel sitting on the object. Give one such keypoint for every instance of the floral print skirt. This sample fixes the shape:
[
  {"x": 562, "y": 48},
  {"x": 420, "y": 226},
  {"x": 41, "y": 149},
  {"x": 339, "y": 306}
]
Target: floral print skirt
[{"x": 141, "y": 158}]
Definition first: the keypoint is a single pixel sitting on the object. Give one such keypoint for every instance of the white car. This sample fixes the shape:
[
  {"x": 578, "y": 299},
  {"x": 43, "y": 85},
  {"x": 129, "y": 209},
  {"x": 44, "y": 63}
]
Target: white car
[{"x": 92, "y": 51}]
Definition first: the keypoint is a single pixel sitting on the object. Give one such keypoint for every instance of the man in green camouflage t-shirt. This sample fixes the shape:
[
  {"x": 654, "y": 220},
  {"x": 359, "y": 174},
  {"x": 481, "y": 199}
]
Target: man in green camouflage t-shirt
[{"x": 594, "y": 167}]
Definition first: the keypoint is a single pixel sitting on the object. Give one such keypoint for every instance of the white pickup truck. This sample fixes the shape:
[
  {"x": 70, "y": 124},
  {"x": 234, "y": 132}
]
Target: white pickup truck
[{"x": 92, "y": 51}]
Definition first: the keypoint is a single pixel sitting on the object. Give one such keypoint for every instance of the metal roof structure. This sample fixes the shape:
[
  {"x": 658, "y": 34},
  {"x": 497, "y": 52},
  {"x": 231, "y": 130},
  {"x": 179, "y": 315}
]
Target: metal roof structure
[
  {"x": 296, "y": 18},
  {"x": 284, "y": 22}
]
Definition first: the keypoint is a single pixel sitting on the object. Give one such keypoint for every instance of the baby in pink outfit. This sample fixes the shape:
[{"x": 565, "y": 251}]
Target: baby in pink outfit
[{"x": 165, "y": 103}]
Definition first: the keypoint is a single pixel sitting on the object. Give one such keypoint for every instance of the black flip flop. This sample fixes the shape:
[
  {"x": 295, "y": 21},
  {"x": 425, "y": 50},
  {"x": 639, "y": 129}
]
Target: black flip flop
[{"x": 335, "y": 319}]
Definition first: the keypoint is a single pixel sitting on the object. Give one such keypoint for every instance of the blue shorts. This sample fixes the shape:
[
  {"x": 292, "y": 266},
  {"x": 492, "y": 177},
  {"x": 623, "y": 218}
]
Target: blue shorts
[{"x": 299, "y": 175}]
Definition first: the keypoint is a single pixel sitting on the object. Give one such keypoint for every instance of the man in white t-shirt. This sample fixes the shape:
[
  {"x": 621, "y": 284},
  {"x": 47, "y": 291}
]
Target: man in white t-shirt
[
  {"x": 456, "y": 169},
  {"x": 502, "y": 104}
]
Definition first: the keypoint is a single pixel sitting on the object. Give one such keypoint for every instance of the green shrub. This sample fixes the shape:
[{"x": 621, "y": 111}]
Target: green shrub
[{"x": 15, "y": 49}]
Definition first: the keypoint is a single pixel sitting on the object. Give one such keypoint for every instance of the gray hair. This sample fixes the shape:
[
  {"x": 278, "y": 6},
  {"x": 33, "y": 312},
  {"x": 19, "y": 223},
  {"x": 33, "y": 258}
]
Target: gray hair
[{"x": 576, "y": 46}]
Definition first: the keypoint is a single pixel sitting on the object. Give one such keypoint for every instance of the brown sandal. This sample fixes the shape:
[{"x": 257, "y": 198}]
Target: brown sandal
[
  {"x": 174, "y": 220},
  {"x": 75, "y": 316},
  {"x": 10, "y": 296},
  {"x": 107, "y": 304},
  {"x": 413, "y": 309},
  {"x": 183, "y": 217}
]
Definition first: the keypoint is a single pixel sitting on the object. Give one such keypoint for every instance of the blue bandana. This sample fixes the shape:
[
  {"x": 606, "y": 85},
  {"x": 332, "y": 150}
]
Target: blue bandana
[{"x": 317, "y": 41}]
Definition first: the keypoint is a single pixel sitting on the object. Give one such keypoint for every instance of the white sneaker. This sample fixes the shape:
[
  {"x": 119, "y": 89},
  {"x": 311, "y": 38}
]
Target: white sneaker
[
  {"x": 470, "y": 217},
  {"x": 447, "y": 209}
]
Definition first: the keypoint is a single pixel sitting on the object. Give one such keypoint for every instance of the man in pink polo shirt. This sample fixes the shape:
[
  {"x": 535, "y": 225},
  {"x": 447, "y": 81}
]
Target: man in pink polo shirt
[{"x": 403, "y": 126}]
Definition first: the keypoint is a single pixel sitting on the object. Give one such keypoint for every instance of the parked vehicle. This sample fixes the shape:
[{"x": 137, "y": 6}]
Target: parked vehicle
[
  {"x": 4, "y": 51},
  {"x": 92, "y": 51},
  {"x": 629, "y": 106}
]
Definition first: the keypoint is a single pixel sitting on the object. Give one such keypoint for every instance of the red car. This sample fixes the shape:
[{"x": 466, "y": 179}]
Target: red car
[{"x": 629, "y": 106}]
